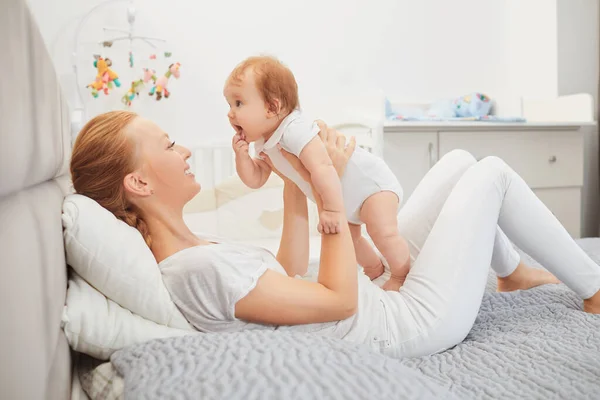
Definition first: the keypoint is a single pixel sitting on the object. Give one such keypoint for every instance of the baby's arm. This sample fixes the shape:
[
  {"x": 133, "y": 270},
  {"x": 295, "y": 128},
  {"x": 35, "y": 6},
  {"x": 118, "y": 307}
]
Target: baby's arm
[
  {"x": 325, "y": 181},
  {"x": 253, "y": 172}
]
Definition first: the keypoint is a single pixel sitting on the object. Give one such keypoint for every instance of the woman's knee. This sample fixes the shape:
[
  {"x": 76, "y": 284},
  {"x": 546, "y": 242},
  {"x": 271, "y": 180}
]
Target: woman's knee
[
  {"x": 494, "y": 170},
  {"x": 495, "y": 164},
  {"x": 460, "y": 156}
]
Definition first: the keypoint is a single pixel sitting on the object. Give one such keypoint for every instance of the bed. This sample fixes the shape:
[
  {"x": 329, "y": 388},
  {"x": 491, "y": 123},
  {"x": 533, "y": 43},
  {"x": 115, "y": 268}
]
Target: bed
[
  {"x": 537, "y": 344},
  {"x": 34, "y": 149}
]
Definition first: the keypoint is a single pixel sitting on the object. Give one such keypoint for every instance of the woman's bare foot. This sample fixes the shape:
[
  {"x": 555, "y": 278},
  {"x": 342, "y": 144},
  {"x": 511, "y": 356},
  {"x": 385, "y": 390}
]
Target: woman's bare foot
[
  {"x": 374, "y": 271},
  {"x": 592, "y": 305},
  {"x": 525, "y": 277}
]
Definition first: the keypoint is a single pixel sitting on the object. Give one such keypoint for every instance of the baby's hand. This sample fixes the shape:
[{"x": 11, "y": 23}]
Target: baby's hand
[
  {"x": 240, "y": 145},
  {"x": 329, "y": 222}
]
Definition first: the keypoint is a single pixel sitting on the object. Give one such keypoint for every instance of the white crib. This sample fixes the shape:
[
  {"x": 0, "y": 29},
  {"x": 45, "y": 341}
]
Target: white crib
[
  {"x": 213, "y": 163},
  {"x": 226, "y": 207}
]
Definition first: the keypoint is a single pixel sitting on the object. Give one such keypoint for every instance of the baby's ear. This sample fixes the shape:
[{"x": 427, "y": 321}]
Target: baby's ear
[{"x": 274, "y": 108}]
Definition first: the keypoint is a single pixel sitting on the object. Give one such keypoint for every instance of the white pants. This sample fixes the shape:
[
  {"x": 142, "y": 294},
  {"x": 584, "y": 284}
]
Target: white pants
[{"x": 454, "y": 223}]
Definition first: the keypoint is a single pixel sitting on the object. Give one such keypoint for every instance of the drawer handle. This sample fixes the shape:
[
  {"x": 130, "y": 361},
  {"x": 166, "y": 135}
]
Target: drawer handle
[
  {"x": 552, "y": 159},
  {"x": 431, "y": 160}
]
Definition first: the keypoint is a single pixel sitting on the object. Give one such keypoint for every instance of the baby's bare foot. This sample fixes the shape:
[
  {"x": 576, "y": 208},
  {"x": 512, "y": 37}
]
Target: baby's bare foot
[
  {"x": 525, "y": 277},
  {"x": 592, "y": 305},
  {"x": 374, "y": 271},
  {"x": 394, "y": 283}
]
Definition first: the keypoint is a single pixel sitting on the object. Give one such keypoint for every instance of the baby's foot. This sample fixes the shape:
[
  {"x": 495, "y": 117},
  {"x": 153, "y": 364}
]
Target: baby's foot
[
  {"x": 374, "y": 271},
  {"x": 398, "y": 276},
  {"x": 592, "y": 305},
  {"x": 524, "y": 278},
  {"x": 394, "y": 283}
]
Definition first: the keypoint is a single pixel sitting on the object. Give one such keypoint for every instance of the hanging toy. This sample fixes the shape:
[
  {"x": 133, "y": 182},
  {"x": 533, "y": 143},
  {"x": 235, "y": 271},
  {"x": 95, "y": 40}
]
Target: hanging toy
[
  {"x": 153, "y": 56},
  {"x": 131, "y": 59},
  {"x": 168, "y": 54},
  {"x": 149, "y": 75},
  {"x": 138, "y": 85},
  {"x": 160, "y": 84},
  {"x": 132, "y": 92},
  {"x": 104, "y": 77}
]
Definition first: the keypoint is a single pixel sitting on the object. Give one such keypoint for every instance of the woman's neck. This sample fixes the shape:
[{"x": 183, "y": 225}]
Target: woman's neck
[{"x": 169, "y": 232}]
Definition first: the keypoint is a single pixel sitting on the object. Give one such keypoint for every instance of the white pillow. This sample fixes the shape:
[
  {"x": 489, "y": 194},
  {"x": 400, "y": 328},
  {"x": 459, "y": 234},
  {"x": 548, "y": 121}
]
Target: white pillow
[
  {"x": 98, "y": 327},
  {"x": 113, "y": 258}
]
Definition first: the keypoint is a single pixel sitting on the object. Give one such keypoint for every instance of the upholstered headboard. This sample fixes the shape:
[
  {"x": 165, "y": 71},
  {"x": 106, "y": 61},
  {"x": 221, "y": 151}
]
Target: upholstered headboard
[{"x": 34, "y": 150}]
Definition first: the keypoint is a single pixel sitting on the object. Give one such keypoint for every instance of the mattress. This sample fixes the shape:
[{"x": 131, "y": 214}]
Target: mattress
[{"x": 534, "y": 344}]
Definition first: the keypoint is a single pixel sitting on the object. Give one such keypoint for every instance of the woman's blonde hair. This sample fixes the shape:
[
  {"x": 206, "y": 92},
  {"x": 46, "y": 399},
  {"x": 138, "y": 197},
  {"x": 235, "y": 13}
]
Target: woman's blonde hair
[{"x": 102, "y": 157}]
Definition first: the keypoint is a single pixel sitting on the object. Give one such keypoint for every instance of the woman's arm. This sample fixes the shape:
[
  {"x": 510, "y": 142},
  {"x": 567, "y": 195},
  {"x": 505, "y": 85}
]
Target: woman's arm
[
  {"x": 293, "y": 247},
  {"x": 282, "y": 300}
]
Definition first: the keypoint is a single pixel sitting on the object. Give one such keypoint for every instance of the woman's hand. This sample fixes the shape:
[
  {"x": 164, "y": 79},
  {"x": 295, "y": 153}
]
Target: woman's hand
[
  {"x": 335, "y": 143},
  {"x": 293, "y": 160}
]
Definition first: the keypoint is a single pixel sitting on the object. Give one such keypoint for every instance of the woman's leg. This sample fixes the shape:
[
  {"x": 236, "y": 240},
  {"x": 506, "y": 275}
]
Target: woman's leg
[
  {"x": 512, "y": 273},
  {"x": 441, "y": 296},
  {"x": 420, "y": 212}
]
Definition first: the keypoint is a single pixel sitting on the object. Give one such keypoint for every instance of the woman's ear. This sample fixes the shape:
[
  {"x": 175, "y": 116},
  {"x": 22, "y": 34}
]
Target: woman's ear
[
  {"x": 273, "y": 108},
  {"x": 136, "y": 185}
]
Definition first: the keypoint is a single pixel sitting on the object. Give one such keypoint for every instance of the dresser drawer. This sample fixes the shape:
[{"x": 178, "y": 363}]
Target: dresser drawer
[
  {"x": 410, "y": 155},
  {"x": 544, "y": 159},
  {"x": 565, "y": 204}
]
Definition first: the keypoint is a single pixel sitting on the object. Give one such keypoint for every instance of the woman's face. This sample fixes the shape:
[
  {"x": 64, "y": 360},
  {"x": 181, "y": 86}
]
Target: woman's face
[{"x": 163, "y": 170}]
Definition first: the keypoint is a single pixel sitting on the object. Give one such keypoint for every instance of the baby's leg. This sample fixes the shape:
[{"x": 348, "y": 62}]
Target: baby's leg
[
  {"x": 365, "y": 255},
  {"x": 379, "y": 214}
]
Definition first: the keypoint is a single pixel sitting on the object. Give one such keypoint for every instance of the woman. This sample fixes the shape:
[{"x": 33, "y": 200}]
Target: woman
[{"x": 452, "y": 220}]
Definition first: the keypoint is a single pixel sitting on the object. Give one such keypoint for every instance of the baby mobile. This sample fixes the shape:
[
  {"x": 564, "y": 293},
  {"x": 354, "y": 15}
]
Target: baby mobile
[
  {"x": 107, "y": 79},
  {"x": 105, "y": 76},
  {"x": 158, "y": 84}
]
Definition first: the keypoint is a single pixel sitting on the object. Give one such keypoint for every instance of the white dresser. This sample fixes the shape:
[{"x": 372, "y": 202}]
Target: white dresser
[{"x": 549, "y": 156}]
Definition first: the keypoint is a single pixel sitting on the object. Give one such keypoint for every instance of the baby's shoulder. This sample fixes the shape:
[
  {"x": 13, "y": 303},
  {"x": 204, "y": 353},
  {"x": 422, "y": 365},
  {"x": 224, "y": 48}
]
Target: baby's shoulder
[
  {"x": 300, "y": 124},
  {"x": 302, "y": 118}
]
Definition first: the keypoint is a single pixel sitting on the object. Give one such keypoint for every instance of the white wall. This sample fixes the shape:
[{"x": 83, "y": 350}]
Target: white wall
[
  {"x": 577, "y": 67},
  {"x": 531, "y": 47},
  {"x": 417, "y": 50},
  {"x": 578, "y": 47}
]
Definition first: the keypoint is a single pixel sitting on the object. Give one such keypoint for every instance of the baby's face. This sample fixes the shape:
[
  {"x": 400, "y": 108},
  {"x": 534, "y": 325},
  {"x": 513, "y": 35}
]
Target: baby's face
[{"x": 248, "y": 113}]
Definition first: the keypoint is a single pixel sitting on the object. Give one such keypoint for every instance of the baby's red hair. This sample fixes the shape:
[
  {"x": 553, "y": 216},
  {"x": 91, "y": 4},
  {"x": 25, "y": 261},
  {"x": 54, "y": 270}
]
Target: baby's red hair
[{"x": 273, "y": 80}]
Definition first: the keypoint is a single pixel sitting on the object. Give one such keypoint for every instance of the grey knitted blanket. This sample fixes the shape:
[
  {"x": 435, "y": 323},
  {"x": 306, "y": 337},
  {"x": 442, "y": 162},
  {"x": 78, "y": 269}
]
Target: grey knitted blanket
[
  {"x": 266, "y": 365},
  {"x": 534, "y": 344}
]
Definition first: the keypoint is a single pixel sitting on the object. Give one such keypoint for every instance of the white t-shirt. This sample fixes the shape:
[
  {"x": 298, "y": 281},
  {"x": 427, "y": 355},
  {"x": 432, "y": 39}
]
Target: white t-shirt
[
  {"x": 206, "y": 282},
  {"x": 365, "y": 174}
]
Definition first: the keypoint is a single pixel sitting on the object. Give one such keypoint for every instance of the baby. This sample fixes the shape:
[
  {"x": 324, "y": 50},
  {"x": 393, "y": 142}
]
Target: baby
[{"x": 264, "y": 109}]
